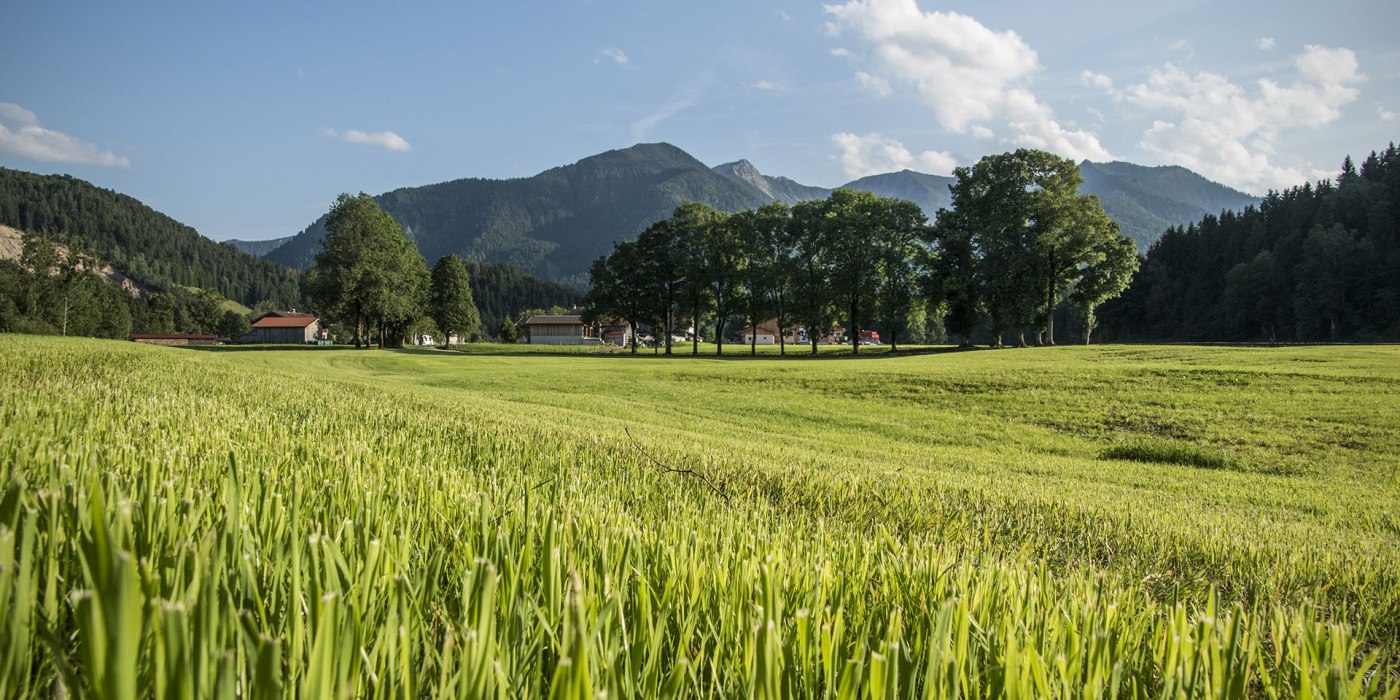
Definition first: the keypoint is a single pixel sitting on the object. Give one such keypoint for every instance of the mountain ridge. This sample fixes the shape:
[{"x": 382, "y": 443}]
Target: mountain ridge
[{"x": 554, "y": 223}]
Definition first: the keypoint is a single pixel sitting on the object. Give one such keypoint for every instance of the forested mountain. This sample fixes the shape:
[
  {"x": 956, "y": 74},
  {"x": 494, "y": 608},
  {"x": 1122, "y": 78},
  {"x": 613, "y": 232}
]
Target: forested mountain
[
  {"x": 1147, "y": 201},
  {"x": 555, "y": 223},
  {"x": 1316, "y": 262},
  {"x": 258, "y": 248},
  {"x": 930, "y": 192},
  {"x": 144, "y": 244}
]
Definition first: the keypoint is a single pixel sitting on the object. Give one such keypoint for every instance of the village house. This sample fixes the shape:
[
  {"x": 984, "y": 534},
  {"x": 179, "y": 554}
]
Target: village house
[
  {"x": 286, "y": 328},
  {"x": 765, "y": 333},
  {"x": 560, "y": 330},
  {"x": 618, "y": 332}
]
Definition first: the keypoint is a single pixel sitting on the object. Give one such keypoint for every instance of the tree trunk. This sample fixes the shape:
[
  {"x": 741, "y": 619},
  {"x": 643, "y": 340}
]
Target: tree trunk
[
  {"x": 632, "y": 325},
  {"x": 855, "y": 330},
  {"x": 1021, "y": 338},
  {"x": 753, "y": 338},
  {"x": 1050, "y": 303},
  {"x": 719, "y": 336},
  {"x": 894, "y": 342},
  {"x": 670, "y": 320},
  {"x": 695, "y": 329}
]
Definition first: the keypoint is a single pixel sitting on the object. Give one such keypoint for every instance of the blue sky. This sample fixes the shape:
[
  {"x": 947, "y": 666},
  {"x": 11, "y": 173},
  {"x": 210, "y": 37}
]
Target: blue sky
[{"x": 247, "y": 119}]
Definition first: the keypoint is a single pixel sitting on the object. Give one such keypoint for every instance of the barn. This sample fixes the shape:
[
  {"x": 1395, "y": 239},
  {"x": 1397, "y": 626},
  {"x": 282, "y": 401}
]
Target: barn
[{"x": 286, "y": 328}]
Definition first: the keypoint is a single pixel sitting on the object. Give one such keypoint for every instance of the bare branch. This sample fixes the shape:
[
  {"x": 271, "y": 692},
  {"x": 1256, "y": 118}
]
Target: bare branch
[{"x": 667, "y": 468}]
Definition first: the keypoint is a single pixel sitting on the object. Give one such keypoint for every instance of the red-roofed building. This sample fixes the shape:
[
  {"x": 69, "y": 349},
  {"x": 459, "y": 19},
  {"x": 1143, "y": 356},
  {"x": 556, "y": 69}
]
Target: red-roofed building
[{"x": 286, "y": 328}]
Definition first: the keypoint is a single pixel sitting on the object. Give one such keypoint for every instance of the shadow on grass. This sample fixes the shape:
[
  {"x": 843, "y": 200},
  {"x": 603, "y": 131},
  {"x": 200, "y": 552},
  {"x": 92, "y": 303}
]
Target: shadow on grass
[
  {"x": 827, "y": 352},
  {"x": 678, "y": 352}
]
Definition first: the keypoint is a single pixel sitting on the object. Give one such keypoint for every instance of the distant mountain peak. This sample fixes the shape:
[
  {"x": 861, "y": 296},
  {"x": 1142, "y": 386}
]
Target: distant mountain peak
[{"x": 774, "y": 188}]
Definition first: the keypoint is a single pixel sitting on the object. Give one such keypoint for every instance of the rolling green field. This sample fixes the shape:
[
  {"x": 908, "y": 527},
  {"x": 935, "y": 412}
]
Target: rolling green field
[{"x": 1130, "y": 521}]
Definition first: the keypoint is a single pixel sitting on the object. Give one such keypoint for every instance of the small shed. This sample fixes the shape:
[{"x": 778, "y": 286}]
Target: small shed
[
  {"x": 285, "y": 328},
  {"x": 560, "y": 330}
]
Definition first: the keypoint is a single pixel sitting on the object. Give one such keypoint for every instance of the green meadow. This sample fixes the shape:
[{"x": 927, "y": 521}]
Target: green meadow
[{"x": 1117, "y": 521}]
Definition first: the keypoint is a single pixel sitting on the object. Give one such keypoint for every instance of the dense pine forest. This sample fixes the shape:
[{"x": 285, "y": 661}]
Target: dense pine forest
[
  {"x": 145, "y": 244},
  {"x": 503, "y": 291},
  {"x": 1319, "y": 262}
]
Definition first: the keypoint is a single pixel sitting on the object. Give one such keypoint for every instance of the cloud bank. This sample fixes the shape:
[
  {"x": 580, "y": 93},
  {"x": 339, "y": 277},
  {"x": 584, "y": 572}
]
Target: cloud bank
[
  {"x": 876, "y": 153},
  {"x": 975, "y": 79},
  {"x": 1228, "y": 132},
  {"x": 23, "y": 136}
]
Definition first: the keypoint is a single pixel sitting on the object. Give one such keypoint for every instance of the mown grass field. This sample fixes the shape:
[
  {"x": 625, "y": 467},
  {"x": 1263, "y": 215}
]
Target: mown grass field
[{"x": 1127, "y": 521}]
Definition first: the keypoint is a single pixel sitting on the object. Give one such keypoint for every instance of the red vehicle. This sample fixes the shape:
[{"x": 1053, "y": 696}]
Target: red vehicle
[{"x": 870, "y": 337}]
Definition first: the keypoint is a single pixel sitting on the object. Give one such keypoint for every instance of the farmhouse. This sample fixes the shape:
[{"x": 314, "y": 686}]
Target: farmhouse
[
  {"x": 765, "y": 333},
  {"x": 286, "y": 327},
  {"x": 619, "y": 332},
  {"x": 560, "y": 330},
  {"x": 178, "y": 339}
]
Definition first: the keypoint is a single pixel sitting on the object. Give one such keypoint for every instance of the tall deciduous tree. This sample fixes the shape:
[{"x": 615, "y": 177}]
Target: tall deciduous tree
[
  {"x": 693, "y": 224},
  {"x": 452, "y": 307},
  {"x": 1031, "y": 234},
  {"x": 763, "y": 268},
  {"x": 809, "y": 261},
  {"x": 1110, "y": 269},
  {"x": 902, "y": 257},
  {"x": 368, "y": 276}
]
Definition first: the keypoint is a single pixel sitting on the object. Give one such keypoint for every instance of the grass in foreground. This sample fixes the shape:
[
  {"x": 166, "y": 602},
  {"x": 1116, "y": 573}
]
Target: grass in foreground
[{"x": 403, "y": 524}]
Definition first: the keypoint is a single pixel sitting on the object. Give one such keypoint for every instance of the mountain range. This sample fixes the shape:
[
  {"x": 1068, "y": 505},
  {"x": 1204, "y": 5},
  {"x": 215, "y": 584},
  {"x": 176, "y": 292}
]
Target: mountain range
[{"x": 554, "y": 224}]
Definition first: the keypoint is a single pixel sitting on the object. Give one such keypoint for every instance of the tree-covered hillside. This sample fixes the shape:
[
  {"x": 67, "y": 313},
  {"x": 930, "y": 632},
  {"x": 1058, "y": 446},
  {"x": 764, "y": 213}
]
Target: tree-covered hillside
[
  {"x": 146, "y": 245},
  {"x": 555, "y": 223},
  {"x": 1312, "y": 263},
  {"x": 1147, "y": 201},
  {"x": 258, "y": 248}
]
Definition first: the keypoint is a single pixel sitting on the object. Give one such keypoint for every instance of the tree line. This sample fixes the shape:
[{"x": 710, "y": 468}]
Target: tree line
[
  {"x": 53, "y": 289},
  {"x": 1318, "y": 262},
  {"x": 1018, "y": 243}
]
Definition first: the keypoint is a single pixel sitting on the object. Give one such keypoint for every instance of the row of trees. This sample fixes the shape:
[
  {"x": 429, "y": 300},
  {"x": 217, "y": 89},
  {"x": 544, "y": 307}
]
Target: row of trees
[
  {"x": 370, "y": 281},
  {"x": 1018, "y": 243},
  {"x": 1313, "y": 263}
]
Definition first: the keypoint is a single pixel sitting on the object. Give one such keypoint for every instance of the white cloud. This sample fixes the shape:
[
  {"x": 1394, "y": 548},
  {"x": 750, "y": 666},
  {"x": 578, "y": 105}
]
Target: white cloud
[
  {"x": 1385, "y": 114},
  {"x": 786, "y": 17},
  {"x": 383, "y": 139},
  {"x": 1227, "y": 132},
  {"x": 875, "y": 153},
  {"x": 967, "y": 73},
  {"x": 23, "y": 136},
  {"x": 873, "y": 84},
  {"x": 766, "y": 86},
  {"x": 1265, "y": 43},
  {"x": 611, "y": 54},
  {"x": 982, "y": 133},
  {"x": 840, "y": 53},
  {"x": 1098, "y": 80}
]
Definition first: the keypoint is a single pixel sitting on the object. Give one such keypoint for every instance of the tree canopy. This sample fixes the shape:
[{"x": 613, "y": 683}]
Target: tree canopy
[
  {"x": 369, "y": 277},
  {"x": 453, "y": 309}
]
